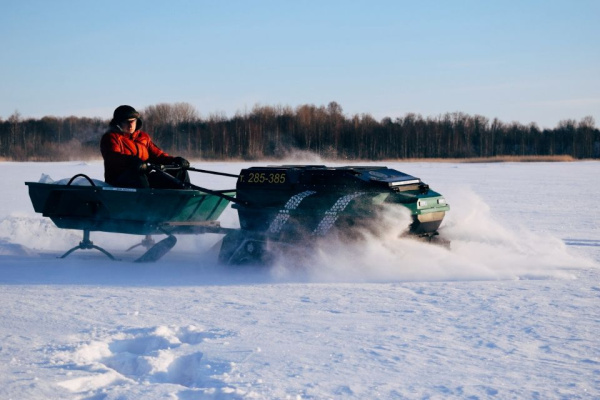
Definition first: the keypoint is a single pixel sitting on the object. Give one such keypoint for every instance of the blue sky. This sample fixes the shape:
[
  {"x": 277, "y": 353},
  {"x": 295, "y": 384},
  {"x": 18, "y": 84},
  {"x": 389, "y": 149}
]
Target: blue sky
[{"x": 525, "y": 61}]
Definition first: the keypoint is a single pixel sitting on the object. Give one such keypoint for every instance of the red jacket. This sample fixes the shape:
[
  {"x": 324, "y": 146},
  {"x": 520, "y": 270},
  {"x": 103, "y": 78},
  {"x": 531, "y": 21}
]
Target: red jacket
[{"x": 122, "y": 152}]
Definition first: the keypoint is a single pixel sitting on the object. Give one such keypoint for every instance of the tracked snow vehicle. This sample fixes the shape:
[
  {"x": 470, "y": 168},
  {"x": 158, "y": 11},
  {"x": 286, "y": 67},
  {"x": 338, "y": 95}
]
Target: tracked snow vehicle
[
  {"x": 278, "y": 207},
  {"x": 292, "y": 204}
]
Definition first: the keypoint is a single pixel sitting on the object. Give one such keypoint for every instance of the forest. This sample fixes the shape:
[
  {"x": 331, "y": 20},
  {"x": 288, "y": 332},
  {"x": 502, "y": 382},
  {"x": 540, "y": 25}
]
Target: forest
[{"x": 275, "y": 132}]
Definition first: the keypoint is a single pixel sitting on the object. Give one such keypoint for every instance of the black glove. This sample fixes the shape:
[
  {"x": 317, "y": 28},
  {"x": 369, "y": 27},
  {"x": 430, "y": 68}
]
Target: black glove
[
  {"x": 142, "y": 166},
  {"x": 182, "y": 162}
]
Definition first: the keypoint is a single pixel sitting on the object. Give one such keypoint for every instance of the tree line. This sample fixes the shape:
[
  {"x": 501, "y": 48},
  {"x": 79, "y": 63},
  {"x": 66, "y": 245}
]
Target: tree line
[{"x": 274, "y": 132}]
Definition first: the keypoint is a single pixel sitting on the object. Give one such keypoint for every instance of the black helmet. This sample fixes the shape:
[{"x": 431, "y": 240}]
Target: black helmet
[{"x": 123, "y": 113}]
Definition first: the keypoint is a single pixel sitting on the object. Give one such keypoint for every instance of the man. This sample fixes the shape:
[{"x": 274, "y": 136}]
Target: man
[{"x": 127, "y": 150}]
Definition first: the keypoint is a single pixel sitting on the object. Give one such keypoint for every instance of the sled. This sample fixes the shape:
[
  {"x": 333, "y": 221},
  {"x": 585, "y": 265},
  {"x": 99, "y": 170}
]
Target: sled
[{"x": 92, "y": 207}]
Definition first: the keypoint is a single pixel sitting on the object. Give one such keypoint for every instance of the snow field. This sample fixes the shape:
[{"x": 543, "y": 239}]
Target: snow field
[{"x": 511, "y": 310}]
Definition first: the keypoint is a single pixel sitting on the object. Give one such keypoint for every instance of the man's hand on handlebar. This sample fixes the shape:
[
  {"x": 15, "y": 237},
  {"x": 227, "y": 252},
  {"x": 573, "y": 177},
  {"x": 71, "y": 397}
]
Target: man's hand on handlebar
[{"x": 182, "y": 162}]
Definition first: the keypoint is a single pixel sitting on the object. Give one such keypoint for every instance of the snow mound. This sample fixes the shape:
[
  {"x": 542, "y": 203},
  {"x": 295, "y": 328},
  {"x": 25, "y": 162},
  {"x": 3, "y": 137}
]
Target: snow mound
[
  {"x": 160, "y": 355},
  {"x": 13, "y": 249},
  {"x": 36, "y": 233}
]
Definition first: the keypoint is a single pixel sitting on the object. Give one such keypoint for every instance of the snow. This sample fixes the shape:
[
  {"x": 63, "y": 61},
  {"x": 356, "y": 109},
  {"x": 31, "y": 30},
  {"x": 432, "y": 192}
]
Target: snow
[{"x": 510, "y": 310}]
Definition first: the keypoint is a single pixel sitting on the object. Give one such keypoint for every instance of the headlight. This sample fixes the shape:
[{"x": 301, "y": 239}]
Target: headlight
[
  {"x": 422, "y": 203},
  {"x": 441, "y": 201}
]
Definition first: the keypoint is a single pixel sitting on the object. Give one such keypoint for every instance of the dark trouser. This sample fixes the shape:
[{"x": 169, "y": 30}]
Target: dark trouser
[{"x": 153, "y": 179}]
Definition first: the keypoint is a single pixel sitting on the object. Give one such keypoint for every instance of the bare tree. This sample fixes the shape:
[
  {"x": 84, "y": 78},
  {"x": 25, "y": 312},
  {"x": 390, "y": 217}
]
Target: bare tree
[{"x": 273, "y": 131}]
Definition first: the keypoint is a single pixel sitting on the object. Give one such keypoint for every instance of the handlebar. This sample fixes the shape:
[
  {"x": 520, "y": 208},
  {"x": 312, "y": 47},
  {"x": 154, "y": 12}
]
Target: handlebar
[
  {"x": 173, "y": 167},
  {"x": 159, "y": 168},
  {"x": 163, "y": 167}
]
